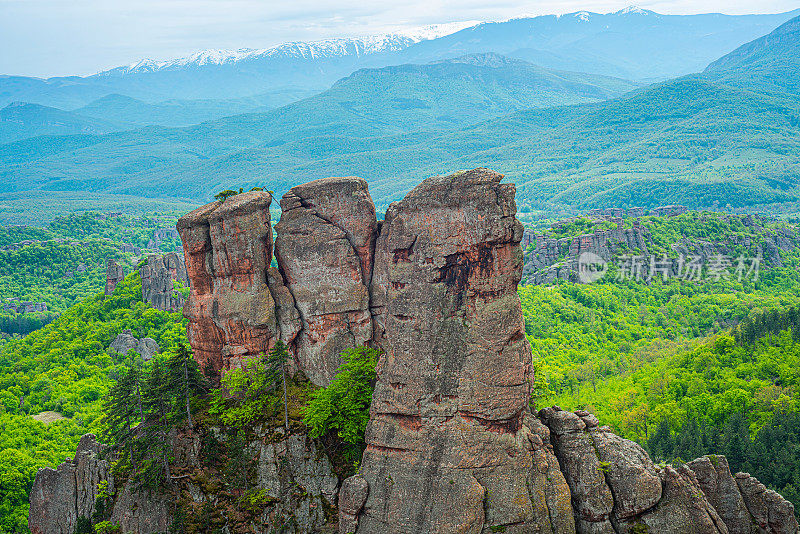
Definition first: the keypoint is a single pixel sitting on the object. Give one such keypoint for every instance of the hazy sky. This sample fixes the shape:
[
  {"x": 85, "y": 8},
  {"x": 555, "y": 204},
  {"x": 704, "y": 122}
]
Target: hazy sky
[{"x": 62, "y": 37}]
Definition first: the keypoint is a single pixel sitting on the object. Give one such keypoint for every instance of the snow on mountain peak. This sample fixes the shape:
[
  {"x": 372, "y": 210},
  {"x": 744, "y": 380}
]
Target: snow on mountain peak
[
  {"x": 632, "y": 10},
  {"x": 583, "y": 15},
  {"x": 326, "y": 48}
]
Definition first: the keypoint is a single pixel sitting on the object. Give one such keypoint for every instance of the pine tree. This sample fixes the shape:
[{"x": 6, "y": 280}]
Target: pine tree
[
  {"x": 184, "y": 382},
  {"x": 154, "y": 445},
  {"x": 278, "y": 357},
  {"x": 120, "y": 411}
]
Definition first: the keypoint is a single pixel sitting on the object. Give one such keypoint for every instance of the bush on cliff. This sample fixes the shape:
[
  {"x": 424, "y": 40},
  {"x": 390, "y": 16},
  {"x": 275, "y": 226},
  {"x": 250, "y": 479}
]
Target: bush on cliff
[
  {"x": 254, "y": 391},
  {"x": 342, "y": 408}
]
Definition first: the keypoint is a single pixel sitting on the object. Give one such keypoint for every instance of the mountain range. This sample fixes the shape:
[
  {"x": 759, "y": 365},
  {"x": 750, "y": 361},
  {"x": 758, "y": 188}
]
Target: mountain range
[
  {"x": 725, "y": 137},
  {"x": 632, "y": 43}
]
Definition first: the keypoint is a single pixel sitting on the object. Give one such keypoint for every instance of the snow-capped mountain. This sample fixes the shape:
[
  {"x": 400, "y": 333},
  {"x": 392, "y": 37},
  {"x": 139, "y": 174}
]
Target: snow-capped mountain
[
  {"x": 633, "y": 43},
  {"x": 323, "y": 49}
]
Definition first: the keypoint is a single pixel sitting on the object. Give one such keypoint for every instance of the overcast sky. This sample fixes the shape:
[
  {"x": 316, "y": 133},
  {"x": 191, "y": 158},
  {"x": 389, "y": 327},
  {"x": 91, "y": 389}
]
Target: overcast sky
[{"x": 63, "y": 37}]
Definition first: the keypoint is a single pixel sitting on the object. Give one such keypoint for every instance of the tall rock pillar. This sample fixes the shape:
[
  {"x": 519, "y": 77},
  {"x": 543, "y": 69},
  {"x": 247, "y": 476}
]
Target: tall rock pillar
[
  {"x": 451, "y": 444},
  {"x": 228, "y": 249},
  {"x": 324, "y": 244}
]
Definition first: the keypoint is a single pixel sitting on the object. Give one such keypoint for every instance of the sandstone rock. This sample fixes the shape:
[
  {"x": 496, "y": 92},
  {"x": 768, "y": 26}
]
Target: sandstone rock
[
  {"x": 324, "y": 245},
  {"x": 683, "y": 508},
  {"x": 629, "y": 473},
  {"x": 228, "y": 249},
  {"x": 575, "y": 449},
  {"x": 289, "y": 464},
  {"x": 138, "y": 511},
  {"x": 769, "y": 510},
  {"x": 60, "y": 496},
  {"x": 158, "y": 274},
  {"x": 125, "y": 341},
  {"x": 114, "y": 275},
  {"x": 352, "y": 497},
  {"x": 447, "y": 450}
]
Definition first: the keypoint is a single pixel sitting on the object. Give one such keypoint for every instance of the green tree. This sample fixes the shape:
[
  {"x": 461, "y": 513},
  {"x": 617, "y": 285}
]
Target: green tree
[{"x": 185, "y": 381}]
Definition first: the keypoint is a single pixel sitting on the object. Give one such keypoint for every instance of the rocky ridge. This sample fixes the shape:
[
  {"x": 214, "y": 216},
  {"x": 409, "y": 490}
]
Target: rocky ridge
[{"x": 548, "y": 259}]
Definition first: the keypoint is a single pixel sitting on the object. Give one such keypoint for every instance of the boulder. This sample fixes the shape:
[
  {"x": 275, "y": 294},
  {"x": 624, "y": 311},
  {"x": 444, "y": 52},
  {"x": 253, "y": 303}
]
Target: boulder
[{"x": 125, "y": 342}]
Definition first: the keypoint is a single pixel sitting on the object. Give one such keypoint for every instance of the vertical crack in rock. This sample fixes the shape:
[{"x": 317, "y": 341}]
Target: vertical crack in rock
[{"x": 324, "y": 246}]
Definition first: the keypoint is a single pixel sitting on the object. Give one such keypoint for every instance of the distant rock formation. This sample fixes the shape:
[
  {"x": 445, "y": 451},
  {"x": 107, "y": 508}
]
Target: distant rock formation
[
  {"x": 114, "y": 275},
  {"x": 548, "y": 259},
  {"x": 59, "y": 497},
  {"x": 125, "y": 342},
  {"x": 158, "y": 273}
]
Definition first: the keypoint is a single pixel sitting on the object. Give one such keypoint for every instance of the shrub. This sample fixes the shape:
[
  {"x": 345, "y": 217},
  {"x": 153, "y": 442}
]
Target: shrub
[{"x": 343, "y": 406}]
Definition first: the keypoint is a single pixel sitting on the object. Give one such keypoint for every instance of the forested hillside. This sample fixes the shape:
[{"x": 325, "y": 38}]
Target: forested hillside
[
  {"x": 709, "y": 366},
  {"x": 53, "y": 382},
  {"x": 62, "y": 263}
]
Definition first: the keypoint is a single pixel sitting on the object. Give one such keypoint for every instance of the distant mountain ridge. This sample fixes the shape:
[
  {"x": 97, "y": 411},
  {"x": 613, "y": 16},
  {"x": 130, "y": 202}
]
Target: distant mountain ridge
[
  {"x": 327, "y": 48},
  {"x": 632, "y": 44}
]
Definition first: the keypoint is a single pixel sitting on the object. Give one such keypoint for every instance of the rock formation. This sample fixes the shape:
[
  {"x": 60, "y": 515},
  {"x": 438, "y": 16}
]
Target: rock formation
[
  {"x": 158, "y": 274},
  {"x": 452, "y": 445},
  {"x": 228, "y": 250},
  {"x": 125, "y": 341},
  {"x": 324, "y": 245},
  {"x": 114, "y": 275},
  {"x": 61, "y": 496},
  {"x": 317, "y": 301}
]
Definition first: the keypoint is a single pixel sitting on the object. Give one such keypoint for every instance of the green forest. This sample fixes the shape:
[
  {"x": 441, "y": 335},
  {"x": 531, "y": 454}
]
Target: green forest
[
  {"x": 64, "y": 368},
  {"x": 67, "y": 261}
]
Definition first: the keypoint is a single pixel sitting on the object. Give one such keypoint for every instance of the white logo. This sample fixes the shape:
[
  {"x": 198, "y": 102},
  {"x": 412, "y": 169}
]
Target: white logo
[{"x": 591, "y": 267}]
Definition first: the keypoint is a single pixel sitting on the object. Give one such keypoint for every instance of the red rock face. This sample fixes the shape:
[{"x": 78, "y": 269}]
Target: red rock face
[
  {"x": 449, "y": 422},
  {"x": 228, "y": 249},
  {"x": 317, "y": 302}
]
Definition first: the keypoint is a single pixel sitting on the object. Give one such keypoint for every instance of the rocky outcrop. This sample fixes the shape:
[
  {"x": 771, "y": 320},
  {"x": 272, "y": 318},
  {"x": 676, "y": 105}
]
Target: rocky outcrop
[
  {"x": 126, "y": 342},
  {"x": 770, "y": 512},
  {"x": 228, "y": 250},
  {"x": 290, "y": 463},
  {"x": 141, "y": 512},
  {"x": 616, "y": 488},
  {"x": 451, "y": 445},
  {"x": 59, "y": 497},
  {"x": 114, "y": 275},
  {"x": 316, "y": 301},
  {"x": 324, "y": 246},
  {"x": 158, "y": 274}
]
